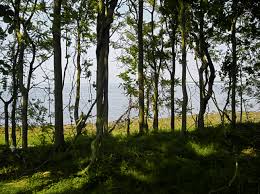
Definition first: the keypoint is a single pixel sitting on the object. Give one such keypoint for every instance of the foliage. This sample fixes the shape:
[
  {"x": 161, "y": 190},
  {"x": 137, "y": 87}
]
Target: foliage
[{"x": 201, "y": 162}]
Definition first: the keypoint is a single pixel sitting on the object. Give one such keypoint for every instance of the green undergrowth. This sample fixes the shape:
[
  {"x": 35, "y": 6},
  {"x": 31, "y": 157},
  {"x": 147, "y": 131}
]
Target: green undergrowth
[{"x": 162, "y": 162}]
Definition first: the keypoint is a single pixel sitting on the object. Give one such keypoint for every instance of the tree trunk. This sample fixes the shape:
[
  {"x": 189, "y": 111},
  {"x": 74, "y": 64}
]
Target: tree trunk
[
  {"x": 241, "y": 94},
  {"x": 173, "y": 40},
  {"x": 156, "y": 72},
  {"x": 13, "y": 113},
  {"x": 15, "y": 70},
  {"x": 104, "y": 21},
  {"x": 206, "y": 62},
  {"x": 202, "y": 97},
  {"x": 56, "y": 30},
  {"x": 203, "y": 69},
  {"x": 24, "y": 119},
  {"x": 77, "y": 98},
  {"x": 141, "y": 67},
  {"x": 102, "y": 76},
  {"x": 234, "y": 66},
  {"x": 146, "y": 125},
  {"x": 128, "y": 121},
  {"x": 155, "y": 102},
  {"x": 184, "y": 67},
  {"x": 106, "y": 82},
  {"x": 6, "y": 124},
  {"x": 172, "y": 102},
  {"x": 6, "y": 105},
  {"x": 24, "y": 93},
  {"x": 205, "y": 95}
]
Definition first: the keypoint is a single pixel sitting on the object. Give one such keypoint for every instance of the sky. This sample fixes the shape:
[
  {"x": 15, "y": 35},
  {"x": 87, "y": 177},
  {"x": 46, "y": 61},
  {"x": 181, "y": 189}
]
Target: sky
[{"x": 114, "y": 66}]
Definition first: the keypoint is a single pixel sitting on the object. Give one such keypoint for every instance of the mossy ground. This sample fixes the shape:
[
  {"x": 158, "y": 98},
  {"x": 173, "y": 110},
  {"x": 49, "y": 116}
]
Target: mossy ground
[{"x": 163, "y": 162}]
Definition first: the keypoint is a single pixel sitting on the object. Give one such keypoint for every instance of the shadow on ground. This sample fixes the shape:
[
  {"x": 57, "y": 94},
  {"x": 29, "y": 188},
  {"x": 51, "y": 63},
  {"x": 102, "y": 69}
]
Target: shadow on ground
[{"x": 162, "y": 162}]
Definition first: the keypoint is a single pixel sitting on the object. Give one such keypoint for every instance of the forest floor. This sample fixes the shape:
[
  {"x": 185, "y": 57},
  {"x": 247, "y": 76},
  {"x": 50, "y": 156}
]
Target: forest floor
[{"x": 218, "y": 160}]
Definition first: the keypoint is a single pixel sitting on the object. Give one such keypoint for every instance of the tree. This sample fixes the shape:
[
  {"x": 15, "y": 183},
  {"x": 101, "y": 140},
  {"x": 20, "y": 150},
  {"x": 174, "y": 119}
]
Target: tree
[
  {"x": 22, "y": 26},
  {"x": 140, "y": 66},
  {"x": 183, "y": 17},
  {"x": 202, "y": 52},
  {"x": 7, "y": 65},
  {"x": 56, "y": 31},
  {"x": 104, "y": 20},
  {"x": 234, "y": 68},
  {"x": 170, "y": 14}
]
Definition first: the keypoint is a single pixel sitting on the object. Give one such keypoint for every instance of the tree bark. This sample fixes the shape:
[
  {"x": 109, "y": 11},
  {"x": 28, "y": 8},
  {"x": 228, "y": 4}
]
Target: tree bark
[
  {"x": 6, "y": 124},
  {"x": 102, "y": 52},
  {"x": 172, "y": 73},
  {"x": 24, "y": 93},
  {"x": 233, "y": 70},
  {"x": 15, "y": 68},
  {"x": 21, "y": 47},
  {"x": 77, "y": 98},
  {"x": 241, "y": 94},
  {"x": 104, "y": 21},
  {"x": 155, "y": 102},
  {"x": 147, "y": 108},
  {"x": 156, "y": 71},
  {"x": 203, "y": 53},
  {"x": 141, "y": 67},
  {"x": 56, "y": 30},
  {"x": 13, "y": 113},
  {"x": 6, "y": 113},
  {"x": 25, "y": 120},
  {"x": 128, "y": 120},
  {"x": 184, "y": 65}
]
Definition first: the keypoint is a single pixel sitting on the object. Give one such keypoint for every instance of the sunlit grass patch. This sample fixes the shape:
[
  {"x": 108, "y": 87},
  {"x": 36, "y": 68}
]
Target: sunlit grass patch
[
  {"x": 65, "y": 185},
  {"x": 250, "y": 152},
  {"x": 15, "y": 186},
  {"x": 202, "y": 150},
  {"x": 127, "y": 170}
]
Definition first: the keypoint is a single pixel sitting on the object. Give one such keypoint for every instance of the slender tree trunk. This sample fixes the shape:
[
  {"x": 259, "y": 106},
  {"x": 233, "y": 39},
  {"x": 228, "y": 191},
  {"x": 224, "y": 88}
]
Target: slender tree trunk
[
  {"x": 156, "y": 72},
  {"x": 234, "y": 66},
  {"x": 206, "y": 62},
  {"x": 25, "y": 119},
  {"x": 205, "y": 95},
  {"x": 241, "y": 95},
  {"x": 14, "y": 94},
  {"x": 22, "y": 37},
  {"x": 77, "y": 99},
  {"x": 13, "y": 113},
  {"x": 6, "y": 124},
  {"x": 104, "y": 21},
  {"x": 24, "y": 93},
  {"x": 202, "y": 97},
  {"x": 155, "y": 103},
  {"x": 146, "y": 125},
  {"x": 173, "y": 40},
  {"x": 106, "y": 82},
  {"x": 6, "y": 105},
  {"x": 102, "y": 78},
  {"x": 15, "y": 70},
  {"x": 56, "y": 30},
  {"x": 172, "y": 102},
  {"x": 128, "y": 116},
  {"x": 141, "y": 67},
  {"x": 184, "y": 67},
  {"x": 202, "y": 70}
]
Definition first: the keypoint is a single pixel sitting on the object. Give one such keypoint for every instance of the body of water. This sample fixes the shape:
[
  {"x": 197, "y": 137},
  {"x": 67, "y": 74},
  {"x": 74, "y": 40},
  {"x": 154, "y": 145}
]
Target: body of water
[{"x": 118, "y": 101}]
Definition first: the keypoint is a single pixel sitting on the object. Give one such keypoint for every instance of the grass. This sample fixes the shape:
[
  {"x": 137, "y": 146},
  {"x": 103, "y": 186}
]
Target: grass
[{"x": 163, "y": 162}]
